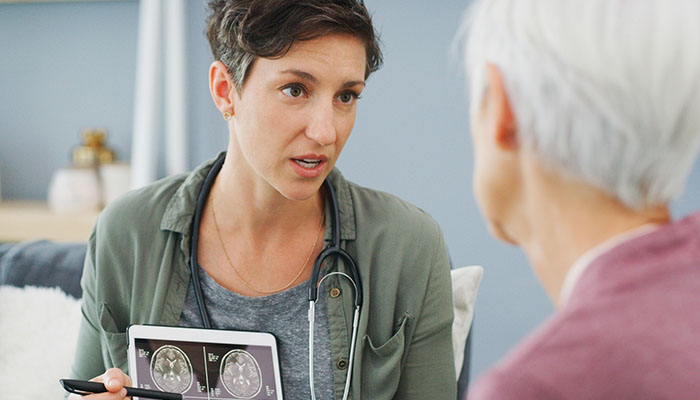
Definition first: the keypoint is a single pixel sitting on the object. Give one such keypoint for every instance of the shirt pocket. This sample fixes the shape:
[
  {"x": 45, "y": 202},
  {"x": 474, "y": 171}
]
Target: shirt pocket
[
  {"x": 113, "y": 340},
  {"x": 381, "y": 365}
]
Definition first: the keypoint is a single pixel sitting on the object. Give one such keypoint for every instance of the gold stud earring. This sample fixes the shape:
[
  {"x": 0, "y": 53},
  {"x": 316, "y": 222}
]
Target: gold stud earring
[{"x": 228, "y": 116}]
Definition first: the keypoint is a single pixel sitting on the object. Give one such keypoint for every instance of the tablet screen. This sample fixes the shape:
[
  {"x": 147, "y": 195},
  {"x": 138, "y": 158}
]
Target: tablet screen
[{"x": 205, "y": 370}]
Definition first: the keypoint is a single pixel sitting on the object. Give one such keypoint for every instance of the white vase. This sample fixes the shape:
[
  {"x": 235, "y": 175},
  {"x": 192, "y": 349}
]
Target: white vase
[
  {"x": 74, "y": 190},
  {"x": 115, "y": 180}
]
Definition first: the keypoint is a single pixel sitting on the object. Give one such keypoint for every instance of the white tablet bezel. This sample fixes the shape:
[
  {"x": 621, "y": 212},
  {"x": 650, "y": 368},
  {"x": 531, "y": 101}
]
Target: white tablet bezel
[{"x": 204, "y": 336}]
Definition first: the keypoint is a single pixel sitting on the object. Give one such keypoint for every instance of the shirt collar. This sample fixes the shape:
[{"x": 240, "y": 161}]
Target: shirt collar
[
  {"x": 346, "y": 207},
  {"x": 579, "y": 267},
  {"x": 180, "y": 210}
]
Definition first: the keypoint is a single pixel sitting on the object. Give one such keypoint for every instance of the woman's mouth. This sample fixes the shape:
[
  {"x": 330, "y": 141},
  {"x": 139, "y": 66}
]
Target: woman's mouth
[
  {"x": 307, "y": 163},
  {"x": 309, "y": 166}
]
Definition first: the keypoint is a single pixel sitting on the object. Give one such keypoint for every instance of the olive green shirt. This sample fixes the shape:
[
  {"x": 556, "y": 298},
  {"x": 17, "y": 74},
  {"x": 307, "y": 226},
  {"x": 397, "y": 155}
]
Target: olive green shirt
[{"x": 137, "y": 272}]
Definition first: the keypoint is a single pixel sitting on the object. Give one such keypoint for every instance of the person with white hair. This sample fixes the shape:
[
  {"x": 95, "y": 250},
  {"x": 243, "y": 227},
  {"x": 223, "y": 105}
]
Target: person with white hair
[{"x": 585, "y": 119}]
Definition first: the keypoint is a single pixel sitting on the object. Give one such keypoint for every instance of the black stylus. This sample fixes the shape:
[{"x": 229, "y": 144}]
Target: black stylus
[{"x": 86, "y": 387}]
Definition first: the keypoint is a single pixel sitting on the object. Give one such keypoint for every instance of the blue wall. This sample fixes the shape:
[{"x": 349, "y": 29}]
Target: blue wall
[
  {"x": 63, "y": 68},
  {"x": 68, "y": 66}
]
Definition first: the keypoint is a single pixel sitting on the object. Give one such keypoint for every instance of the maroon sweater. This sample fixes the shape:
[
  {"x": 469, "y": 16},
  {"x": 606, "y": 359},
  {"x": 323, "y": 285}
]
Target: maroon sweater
[{"x": 630, "y": 330}]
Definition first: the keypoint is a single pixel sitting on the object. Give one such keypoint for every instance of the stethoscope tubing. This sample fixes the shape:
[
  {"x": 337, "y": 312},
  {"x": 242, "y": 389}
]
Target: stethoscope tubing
[
  {"x": 355, "y": 328},
  {"x": 314, "y": 283},
  {"x": 194, "y": 264},
  {"x": 336, "y": 250}
]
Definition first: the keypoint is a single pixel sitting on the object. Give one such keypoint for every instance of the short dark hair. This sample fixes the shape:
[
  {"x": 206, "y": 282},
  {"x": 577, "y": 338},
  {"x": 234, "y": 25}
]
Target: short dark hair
[{"x": 239, "y": 31}]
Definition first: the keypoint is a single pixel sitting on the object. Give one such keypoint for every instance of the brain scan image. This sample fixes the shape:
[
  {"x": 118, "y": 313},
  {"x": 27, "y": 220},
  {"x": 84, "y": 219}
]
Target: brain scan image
[
  {"x": 241, "y": 374},
  {"x": 171, "y": 370}
]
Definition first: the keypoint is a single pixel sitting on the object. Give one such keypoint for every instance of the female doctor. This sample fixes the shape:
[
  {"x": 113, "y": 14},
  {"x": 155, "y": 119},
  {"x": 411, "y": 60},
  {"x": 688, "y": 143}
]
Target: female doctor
[{"x": 286, "y": 78}]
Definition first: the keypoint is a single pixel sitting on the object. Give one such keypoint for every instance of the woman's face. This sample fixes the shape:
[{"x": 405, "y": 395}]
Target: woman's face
[{"x": 295, "y": 113}]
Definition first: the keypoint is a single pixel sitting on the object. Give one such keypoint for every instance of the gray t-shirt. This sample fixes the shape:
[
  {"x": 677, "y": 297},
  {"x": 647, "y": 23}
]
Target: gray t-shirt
[{"x": 283, "y": 314}]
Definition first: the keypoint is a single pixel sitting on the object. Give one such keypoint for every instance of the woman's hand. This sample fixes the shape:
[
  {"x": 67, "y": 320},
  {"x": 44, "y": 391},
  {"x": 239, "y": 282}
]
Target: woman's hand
[{"x": 114, "y": 380}]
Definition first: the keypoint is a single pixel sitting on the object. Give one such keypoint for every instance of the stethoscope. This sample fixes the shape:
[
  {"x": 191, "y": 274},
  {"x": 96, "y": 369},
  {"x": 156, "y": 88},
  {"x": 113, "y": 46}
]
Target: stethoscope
[{"x": 314, "y": 283}]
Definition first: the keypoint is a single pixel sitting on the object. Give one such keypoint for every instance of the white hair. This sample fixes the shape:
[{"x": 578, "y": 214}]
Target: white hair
[{"x": 606, "y": 91}]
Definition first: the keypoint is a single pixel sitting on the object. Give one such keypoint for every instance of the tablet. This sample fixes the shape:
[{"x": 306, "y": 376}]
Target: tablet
[{"x": 204, "y": 363}]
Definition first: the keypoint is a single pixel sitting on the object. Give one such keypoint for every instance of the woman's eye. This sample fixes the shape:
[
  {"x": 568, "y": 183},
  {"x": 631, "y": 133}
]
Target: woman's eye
[
  {"x": 348, "y": 97},
  {"x": 293, "y": 91}
]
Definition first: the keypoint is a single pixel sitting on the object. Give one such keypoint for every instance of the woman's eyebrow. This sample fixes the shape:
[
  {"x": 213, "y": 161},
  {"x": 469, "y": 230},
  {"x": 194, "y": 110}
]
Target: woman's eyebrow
[
  {"x": 309, "y": 77},
  {"x": 301, "y": 74},
  {"x": 350, "y": 84}
]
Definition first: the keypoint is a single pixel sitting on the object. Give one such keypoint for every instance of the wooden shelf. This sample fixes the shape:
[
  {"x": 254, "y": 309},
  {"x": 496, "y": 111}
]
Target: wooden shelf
[{"x": 31, "y": 220}]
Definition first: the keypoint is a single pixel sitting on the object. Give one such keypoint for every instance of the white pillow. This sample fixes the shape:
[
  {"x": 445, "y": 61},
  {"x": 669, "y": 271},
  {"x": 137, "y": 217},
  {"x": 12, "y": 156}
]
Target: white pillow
[
  {"x": 465, "y": 285},
  {"x": 37, "y": 343}
]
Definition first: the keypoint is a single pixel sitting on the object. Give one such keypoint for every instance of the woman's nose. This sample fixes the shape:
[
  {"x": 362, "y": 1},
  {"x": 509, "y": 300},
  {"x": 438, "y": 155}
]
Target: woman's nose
[{"x": 321, "y": 129}]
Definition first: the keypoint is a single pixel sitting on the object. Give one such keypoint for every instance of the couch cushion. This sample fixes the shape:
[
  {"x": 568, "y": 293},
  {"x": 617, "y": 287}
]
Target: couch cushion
[
  {"x": 465, "y": 286},
  {"x": 43, "y": 263}
]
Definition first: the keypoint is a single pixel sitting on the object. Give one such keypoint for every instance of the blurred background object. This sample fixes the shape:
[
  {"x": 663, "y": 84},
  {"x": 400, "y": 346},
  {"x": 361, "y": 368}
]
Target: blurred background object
[
  {"x": 93, "y": 179},
  {"x": 93, "y": 151},
  {"x": 74, "y": 190},
  {"x": 115, "y": 180}
]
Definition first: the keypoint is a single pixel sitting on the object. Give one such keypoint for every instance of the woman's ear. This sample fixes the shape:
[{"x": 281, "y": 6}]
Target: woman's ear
[
  {"x": 222, "y": 88},
  {"x": 501, "y": 112}
]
